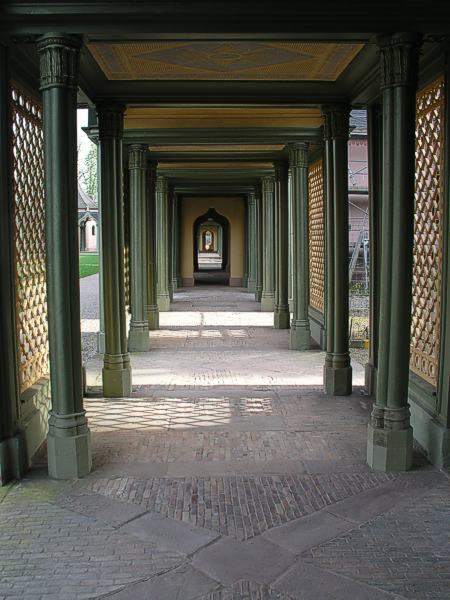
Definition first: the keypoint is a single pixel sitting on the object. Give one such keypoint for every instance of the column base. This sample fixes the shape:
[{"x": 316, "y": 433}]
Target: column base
[
  {"x": 370, "y": 379},
  {"x": 171, "y": 293},
  {"x": 153, "y": 317},
  {"x": 258, "y": 294},
  {"x": 138, "y": 340},
  {"x": 13, "y": 458},
  {"x": 267, "y": 303},
  {"x": 281, "y": 319},
  {"x": 174, "y": 283},
  {"x": 337, "y": 381},
  {"x": 389, "y": 450},
  {"x": 69, "y": 446},
  {"x": 116, "y": 376},
  {"x": 251, "y": 285},
  {"x": 101, "y": 342},
  {"x": 299, "y": 337},
  {"x": 163, "y": 302}
]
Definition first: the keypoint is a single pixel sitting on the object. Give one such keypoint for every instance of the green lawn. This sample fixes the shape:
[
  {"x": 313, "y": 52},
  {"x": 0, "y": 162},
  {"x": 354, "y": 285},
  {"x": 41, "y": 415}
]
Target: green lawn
[{"x": 88, "y": 264}]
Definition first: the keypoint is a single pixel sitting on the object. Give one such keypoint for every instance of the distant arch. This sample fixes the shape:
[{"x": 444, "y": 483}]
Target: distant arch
[{"x": 211, "y": 215}]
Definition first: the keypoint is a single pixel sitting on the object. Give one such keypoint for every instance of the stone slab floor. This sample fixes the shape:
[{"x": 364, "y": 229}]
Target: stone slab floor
[{"x": 227, "y": 476}]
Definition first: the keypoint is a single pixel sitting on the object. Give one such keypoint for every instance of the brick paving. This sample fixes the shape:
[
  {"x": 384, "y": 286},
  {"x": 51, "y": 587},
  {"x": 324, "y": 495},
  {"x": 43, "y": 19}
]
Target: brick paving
[
  {"x": 48, "y": 552},
  {"x": 242, "y": 506},
  {"x": 227, "y": 476},
  {"x": 405, "y": 551}
]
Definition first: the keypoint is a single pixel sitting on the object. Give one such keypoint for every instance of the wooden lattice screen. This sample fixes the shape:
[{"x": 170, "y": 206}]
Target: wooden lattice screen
[
  {"x": 427, "y": 260},
  {"x": 316, "y": 236},
  {"x": 29, "y": 237}
]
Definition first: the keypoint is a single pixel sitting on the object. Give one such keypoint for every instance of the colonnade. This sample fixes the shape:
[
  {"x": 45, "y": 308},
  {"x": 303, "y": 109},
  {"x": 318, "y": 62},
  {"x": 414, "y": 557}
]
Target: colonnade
[{"x": 155, "y": 252}]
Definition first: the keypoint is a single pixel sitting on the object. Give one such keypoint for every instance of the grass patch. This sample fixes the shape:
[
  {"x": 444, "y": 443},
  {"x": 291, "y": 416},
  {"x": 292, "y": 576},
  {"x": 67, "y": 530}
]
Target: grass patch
[{"x": 89, "y": 264}]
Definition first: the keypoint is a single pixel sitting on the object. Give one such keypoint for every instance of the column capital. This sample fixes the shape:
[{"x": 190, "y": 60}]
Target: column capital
[
  {"x": 110, "y": 120},
  {"x": 136, "y": 156},
  {"x": 336, "y": 121},
  {"x": 298, "y": 154},
  {"x": 251, "y": 198},
  {"x": 59, "y": 59},
  {"x": 161, "y": 184},
  {"x": 399, "y": 59},
  {"x": 267, "y": 184}
]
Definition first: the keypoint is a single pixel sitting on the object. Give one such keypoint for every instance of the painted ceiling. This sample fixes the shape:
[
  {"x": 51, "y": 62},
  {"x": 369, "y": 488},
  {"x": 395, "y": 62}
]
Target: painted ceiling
[{"x": 270, "y": 61}]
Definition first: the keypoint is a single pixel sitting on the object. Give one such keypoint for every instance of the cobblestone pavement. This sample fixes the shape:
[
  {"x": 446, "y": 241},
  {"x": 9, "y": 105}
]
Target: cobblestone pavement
[
  {"x": 227, "y": 476},
  {"x": 89, "y": 311}
]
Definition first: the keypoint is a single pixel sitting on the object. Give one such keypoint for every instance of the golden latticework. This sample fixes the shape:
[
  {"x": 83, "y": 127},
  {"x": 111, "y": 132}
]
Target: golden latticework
[
  {"x": 29, "y": 238},
  {"x": 427, "y": 260},
  {"x": 316, "y": 236}
]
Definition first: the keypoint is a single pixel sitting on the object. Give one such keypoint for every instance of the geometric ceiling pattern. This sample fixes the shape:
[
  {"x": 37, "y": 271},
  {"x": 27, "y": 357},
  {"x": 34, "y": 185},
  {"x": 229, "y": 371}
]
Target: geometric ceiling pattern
[{"x": 274, "y": 61}]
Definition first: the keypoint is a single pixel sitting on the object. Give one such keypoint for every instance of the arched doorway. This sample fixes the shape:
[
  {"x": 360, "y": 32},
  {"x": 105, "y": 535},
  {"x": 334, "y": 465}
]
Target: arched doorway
[{"x": 209, "y": 229}]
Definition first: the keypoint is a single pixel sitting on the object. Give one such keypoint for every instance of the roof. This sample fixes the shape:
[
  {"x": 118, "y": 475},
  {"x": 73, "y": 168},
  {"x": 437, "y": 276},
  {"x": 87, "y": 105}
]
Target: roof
[
  {"x": 85, "y": 202},
  {"x": 358, "y": 123}
]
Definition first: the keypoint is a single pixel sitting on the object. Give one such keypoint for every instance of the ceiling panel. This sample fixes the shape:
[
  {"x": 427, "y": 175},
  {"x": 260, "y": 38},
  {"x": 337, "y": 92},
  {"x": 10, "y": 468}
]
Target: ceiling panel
[{"x": 269, "y": 61}]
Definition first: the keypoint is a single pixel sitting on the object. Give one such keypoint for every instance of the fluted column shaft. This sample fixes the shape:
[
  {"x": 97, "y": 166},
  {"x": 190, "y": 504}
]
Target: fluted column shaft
[
  {"x": 281, "y": 308},
  {"x": 252, "y": 249},
  {"x": 138, "y": 339},
  {"x": 68, "y": 439},
  {"x": 390, "y": 435},
  {"x": 300, "y": 334},
  {"x": 268, "y": 214},
  {"x": 162, "y": 244},
  {"x": 337, "y": 369},
  {"x": 152, "y": 275},
  {"x": 116, "y": 360}
]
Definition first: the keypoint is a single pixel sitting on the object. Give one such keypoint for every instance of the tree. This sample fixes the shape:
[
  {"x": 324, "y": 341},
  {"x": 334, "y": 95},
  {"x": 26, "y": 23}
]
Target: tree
[{"x": 87, "y": 173}]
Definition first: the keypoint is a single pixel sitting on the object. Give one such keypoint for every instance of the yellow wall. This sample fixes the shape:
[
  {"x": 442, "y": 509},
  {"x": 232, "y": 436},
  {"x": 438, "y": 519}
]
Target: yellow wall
[{"x": 233, "y": 210}]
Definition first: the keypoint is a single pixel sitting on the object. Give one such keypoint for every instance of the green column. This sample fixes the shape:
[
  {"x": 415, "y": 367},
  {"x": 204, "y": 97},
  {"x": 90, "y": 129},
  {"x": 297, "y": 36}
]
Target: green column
[
  {"x": 170, "y": 196},
  {"x": 390, "y": 437},
  {"x": 374, "y": 168},
  {"x": 268, "y": 218},
  {"x": 259, "y": 247},
  {"x": 13, "y": 461},
  {"x": 116, "y": 360},
  {"x": 101, "y": 331},
  {"x": 252, "y": 250},
  {"x": 162, "y": 244},
  {"x": 300, "y": 334},
  {"x": 152, "y": 303},
  {"x": 290, "y": 246},
  {"x": 246, "y": 246},
  {"x": 138, "y": 339},
  {"x": 68, "y": 441},
  {"x": 337, "y": 369},
  {"x": 281, "y": 308},
  {"x": 175, "y": 243}
]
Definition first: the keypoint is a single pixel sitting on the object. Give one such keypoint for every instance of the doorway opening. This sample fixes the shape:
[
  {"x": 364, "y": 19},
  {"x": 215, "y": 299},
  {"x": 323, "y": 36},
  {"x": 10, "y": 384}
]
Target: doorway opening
[{"x": 211, "y": 249}]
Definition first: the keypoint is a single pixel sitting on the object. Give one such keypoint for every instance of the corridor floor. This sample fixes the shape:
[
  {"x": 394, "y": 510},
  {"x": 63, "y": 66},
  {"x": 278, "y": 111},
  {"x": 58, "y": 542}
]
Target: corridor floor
[{"x": 228, "y": 476}]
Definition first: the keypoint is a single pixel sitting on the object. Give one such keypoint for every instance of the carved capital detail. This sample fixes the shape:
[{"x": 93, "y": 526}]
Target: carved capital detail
[
  {"x": 336, "y": 121},
  {"x": 267, "y": 185},
  {"x": 137, "y": 156},
  {"x": 161, "y": 184},
  {"x": 59, "y": 60},
  {"x": 110, "y": 120},
  {"x": 298, "y": 154},
  {"x": 399, "y": 60}
]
